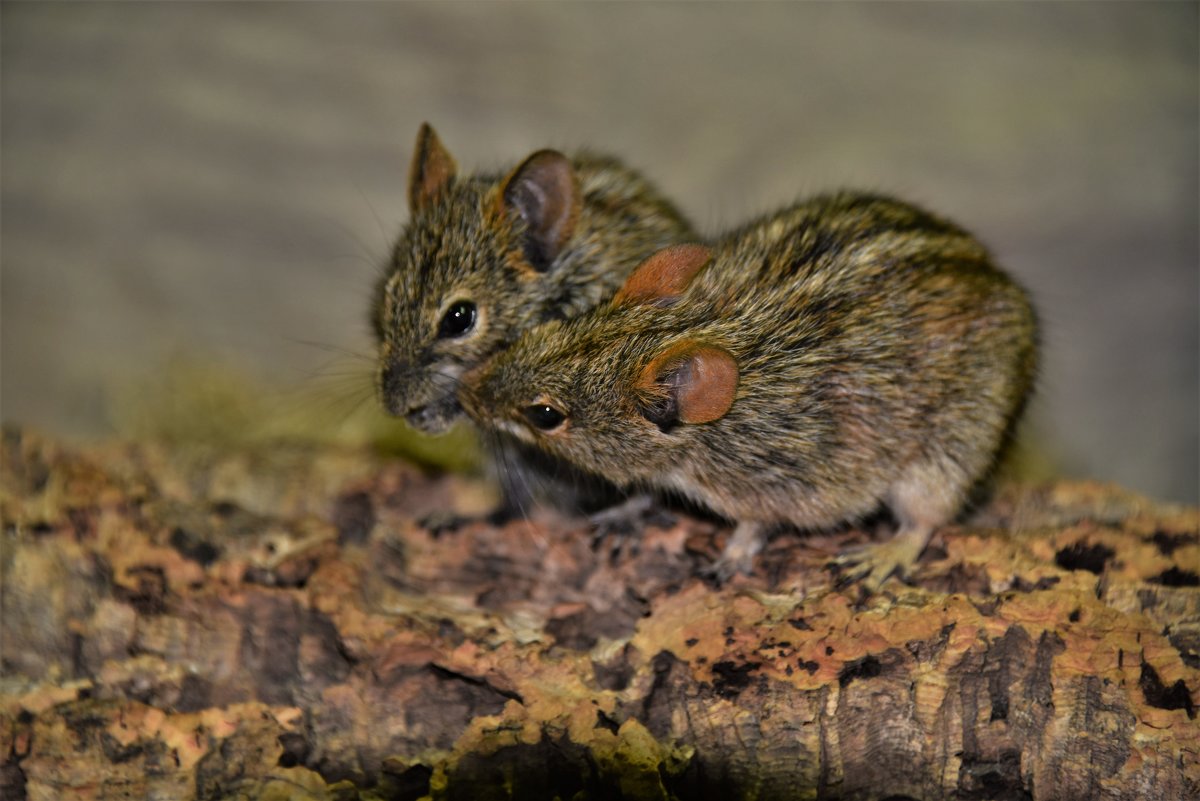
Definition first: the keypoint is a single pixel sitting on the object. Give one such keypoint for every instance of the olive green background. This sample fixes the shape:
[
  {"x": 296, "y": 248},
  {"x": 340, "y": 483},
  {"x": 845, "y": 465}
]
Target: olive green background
[{"x": 219, "y": 182}]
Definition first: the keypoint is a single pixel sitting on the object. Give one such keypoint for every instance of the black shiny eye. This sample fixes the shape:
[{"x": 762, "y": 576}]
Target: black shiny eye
[
  {"x": 459, "y": 319},
  {"x": 543, "y": 416}
]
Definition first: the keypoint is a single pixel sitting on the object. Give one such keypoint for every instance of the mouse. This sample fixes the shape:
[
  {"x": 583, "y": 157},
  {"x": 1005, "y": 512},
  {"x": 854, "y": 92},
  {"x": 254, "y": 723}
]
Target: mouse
[
  {"x": 487, "y": 256},
  {"x": 847, "y": 354}
]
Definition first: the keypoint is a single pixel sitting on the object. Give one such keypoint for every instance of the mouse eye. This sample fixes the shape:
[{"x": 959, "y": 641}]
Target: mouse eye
[
  {"x": 458, "y": 320},
  {"x": 543, "y": 416}
]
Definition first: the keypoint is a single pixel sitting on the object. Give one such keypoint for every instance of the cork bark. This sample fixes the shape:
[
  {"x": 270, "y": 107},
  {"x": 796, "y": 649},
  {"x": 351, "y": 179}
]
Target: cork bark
[{"x": 295, "y": 622}]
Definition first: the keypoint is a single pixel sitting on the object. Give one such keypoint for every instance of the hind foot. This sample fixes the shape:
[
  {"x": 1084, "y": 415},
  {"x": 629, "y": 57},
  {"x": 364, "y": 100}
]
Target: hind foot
[{"x": 872, "y": 565}]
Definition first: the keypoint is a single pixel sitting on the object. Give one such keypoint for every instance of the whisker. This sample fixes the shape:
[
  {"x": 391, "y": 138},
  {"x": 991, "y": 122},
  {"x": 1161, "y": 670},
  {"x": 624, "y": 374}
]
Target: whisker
[
  {"x": 334, "y": 367},
  {"x": 366, "y": 253},
  {"x": 331, "y": 406},
  {"x": 374, "y": 214},
  {"x": 513, "y": 480},
  {"x": 336, "y": 349}
]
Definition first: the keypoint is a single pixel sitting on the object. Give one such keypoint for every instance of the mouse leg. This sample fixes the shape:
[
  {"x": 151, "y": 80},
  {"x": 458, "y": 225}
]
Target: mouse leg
[
  {"x": 925, "y": 500},
  {"x": 738, "y": 557},
  {"x": 622, "y": 524},
  {"x": 625, "y": 514}
]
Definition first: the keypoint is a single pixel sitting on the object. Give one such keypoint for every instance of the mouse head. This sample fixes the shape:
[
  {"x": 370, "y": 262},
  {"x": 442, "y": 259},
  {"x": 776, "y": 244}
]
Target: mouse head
[
  {"x": 614, "y": 391},
  {"x": 468, "y": 273}
]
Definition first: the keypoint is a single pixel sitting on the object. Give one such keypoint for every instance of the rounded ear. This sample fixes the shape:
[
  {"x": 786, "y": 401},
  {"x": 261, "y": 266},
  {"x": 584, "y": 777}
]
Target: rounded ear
[
  {"x": 694, "y": 382},
  {"x": 432, "y": 169},
  {"x": 544, "y": 192},
  {"x": 663, "y": 277}
]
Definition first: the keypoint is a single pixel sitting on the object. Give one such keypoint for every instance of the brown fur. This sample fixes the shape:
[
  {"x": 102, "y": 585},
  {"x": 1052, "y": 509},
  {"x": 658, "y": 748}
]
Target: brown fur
[
  {"x": 881, "y": 358},
  {"x": 548, "y": 239}
]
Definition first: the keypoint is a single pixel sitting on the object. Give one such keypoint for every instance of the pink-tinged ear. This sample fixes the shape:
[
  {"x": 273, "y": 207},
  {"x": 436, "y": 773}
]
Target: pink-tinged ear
[
  {"x": 543, "y": 190},
  {"x": 695, "y": 381},
  {"x": 664, "y": 276},
  {"x": 432, "y": 169}
]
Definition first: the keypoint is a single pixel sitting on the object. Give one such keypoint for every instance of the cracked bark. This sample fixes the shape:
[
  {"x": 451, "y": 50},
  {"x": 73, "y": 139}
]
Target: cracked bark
[{"x": 280, "y": 624}]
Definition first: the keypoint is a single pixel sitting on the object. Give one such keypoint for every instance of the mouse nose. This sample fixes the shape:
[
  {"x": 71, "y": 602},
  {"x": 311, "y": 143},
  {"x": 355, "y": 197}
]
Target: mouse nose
[
  {"x": 393, "y": 383},
  {"x": 420, "y": 417},
  {"x": 433, "y": 417}
]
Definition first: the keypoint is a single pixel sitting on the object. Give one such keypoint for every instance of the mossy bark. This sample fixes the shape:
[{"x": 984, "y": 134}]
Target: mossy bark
[{"x": 308, "y": 623}]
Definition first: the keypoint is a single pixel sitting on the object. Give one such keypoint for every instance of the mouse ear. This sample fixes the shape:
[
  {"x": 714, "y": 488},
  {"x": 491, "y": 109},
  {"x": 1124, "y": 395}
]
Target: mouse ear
[
  {"x": 432, "y": 169},
  {"x": 544, "y": 192},
  {"x": 663, "y": 277},
  {"x": 689, "y": 382}
]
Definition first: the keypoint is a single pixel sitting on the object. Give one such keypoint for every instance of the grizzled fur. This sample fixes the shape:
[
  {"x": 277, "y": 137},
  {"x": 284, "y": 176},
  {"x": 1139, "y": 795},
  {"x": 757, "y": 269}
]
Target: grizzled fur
[
  {"x": 467, "y": 240},
  {"x": 881, "y": 358}
]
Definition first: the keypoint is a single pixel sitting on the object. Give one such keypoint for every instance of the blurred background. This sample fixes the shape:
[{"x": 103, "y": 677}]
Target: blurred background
[{"x": 218, "y": 184}]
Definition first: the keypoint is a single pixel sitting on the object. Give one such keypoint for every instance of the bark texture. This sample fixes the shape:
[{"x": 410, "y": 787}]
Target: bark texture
[{"x": 301, "y": 623}]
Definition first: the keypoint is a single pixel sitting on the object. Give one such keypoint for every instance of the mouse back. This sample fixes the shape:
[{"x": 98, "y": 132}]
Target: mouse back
[{"x": 795, "y": 375}]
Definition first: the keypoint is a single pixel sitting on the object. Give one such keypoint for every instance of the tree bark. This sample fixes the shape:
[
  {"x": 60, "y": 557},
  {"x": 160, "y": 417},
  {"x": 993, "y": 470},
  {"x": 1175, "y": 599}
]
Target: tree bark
[{"x": 291, "y": 622}]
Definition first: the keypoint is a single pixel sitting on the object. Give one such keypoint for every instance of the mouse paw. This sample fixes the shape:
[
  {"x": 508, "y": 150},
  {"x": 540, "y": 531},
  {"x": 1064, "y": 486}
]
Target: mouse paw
[
  {"x": 739, "y": 553},
  {"x": 872, "y": 565},
  {"x": 620, "y": 524},
  {"x": 439, "y": 523},
  {"x": 627, "y": 514},
  {"x": 728, "y": 565}
]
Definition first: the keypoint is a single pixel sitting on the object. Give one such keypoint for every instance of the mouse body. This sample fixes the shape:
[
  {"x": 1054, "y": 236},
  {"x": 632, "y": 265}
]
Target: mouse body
[{"x": 847, "y": 353}]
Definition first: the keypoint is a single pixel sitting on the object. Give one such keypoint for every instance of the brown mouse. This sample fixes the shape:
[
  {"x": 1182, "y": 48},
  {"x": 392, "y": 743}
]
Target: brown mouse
[
  {"x": 485, "y": 257},
  {"x": 848, "y": 353}
]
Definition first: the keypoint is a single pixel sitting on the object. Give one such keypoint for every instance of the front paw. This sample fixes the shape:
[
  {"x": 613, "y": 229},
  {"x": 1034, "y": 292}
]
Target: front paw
[
  {"x": 622, "y": 522},
  {"x": 442, "y": 522},
  {"x": 728, "y": 565},
  {"x": 738, "y": 556}
]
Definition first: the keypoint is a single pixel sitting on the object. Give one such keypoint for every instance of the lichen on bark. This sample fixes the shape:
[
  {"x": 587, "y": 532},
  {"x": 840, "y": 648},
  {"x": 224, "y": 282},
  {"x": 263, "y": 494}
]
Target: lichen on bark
[{"x": 325, "y": 623}]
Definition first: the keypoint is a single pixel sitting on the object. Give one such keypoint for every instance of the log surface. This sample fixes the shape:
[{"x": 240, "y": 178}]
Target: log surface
[{"x": 294, "y": 622}]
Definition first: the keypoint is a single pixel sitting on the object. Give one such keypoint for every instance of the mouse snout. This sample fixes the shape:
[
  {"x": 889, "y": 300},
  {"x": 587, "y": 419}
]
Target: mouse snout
[
  {"x": 423, "y": 395},
  {"x": 395, "y": 379},
  {"x": 421, "y": 417},
  {"x": 433, "y": 417}
]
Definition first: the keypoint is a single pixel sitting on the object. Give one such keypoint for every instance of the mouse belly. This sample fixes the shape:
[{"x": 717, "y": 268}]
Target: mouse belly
[{"x": 770, "y": 501}]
